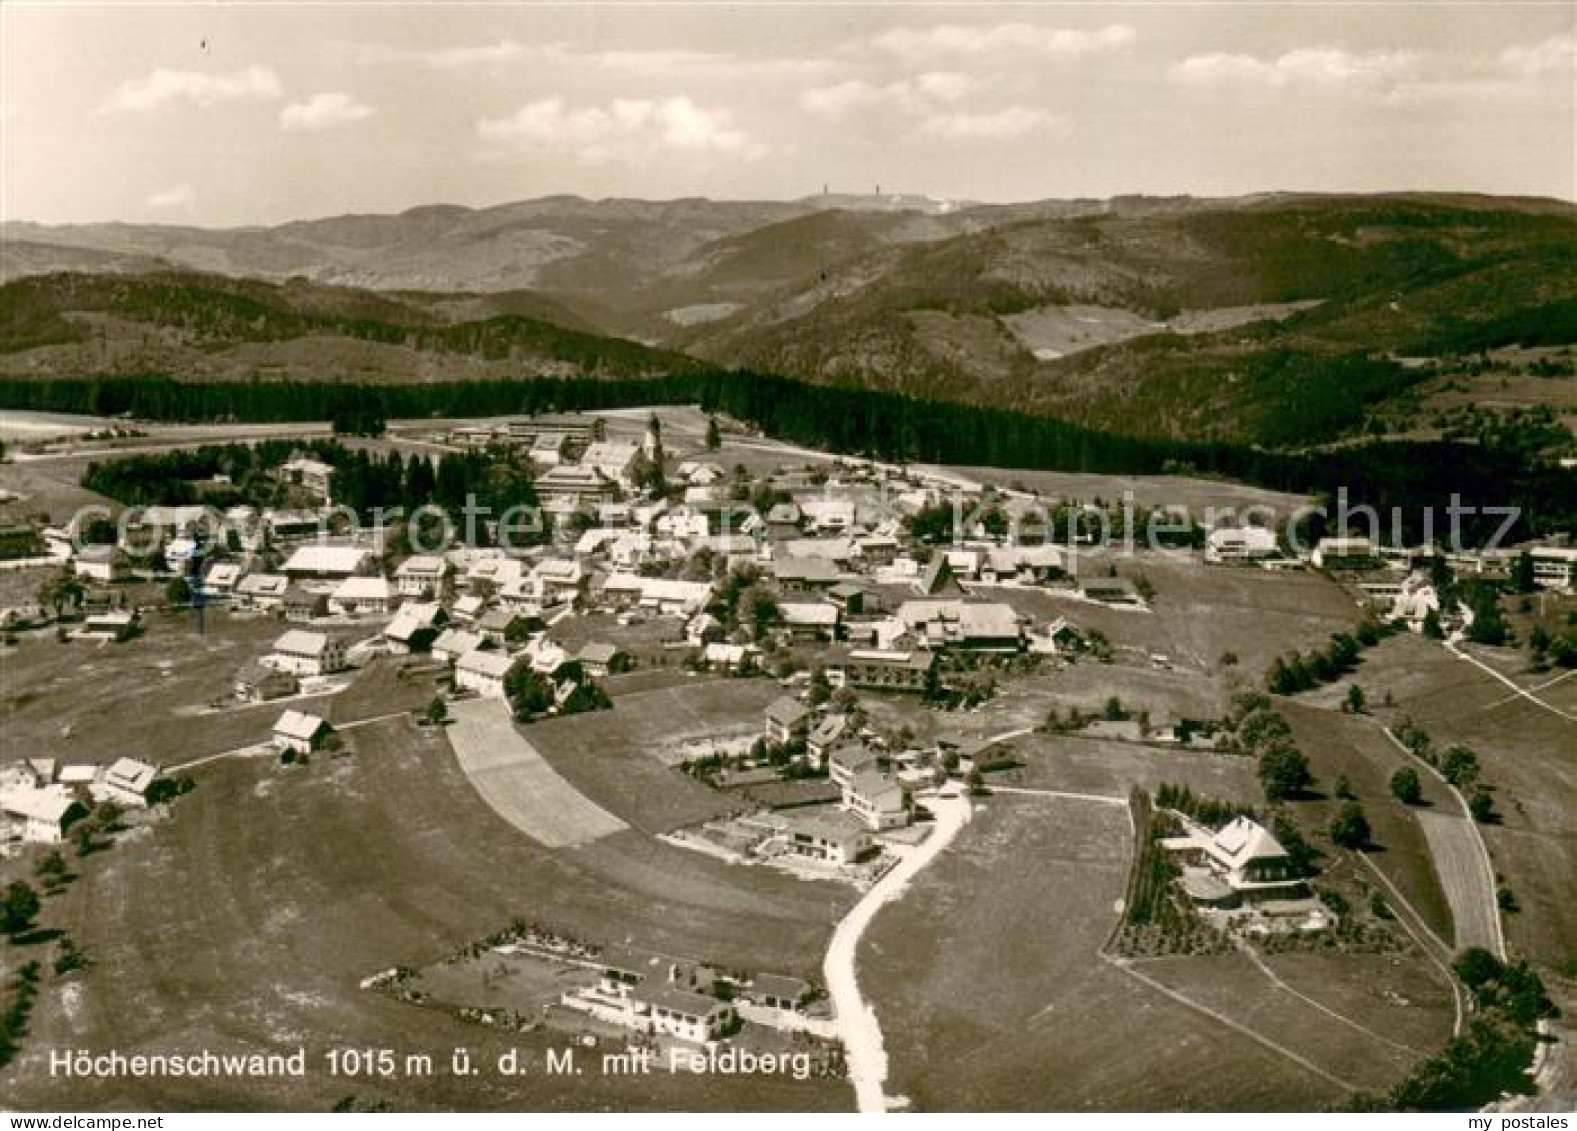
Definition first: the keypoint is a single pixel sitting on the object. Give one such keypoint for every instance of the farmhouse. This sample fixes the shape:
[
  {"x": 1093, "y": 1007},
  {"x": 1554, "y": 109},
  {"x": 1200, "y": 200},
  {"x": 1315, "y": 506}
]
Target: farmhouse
[
  {"x": 308, "y": 653},
  {"x": 787, "y": 719},
  {"x": 986, "y": 627},
  {"x": 299, "y": 732},
  {"x": 126, "y": 782},
  {"x": 1242, "y": 862},
  {"x": 483, "y": 673},
  {"x": 328, "y": 563}
]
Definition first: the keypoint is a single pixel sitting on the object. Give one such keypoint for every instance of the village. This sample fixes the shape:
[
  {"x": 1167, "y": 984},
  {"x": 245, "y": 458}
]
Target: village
[{"x": 837, "y": 649}]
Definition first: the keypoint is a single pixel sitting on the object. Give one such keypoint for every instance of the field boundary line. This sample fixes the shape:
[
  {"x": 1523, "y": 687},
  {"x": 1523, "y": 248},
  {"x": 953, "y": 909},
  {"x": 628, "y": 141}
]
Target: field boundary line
[
  {"x": 1521, "y": 692},
  {"x": 1438, "y": 953},
  {"x": 1276, "y": 980},
  {"x": 1236, "y": 1026}
]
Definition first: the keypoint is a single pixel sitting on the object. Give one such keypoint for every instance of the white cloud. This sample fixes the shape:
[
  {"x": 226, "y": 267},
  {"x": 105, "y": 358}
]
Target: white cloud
[
  {"x": 1558, "y": 53},
  {"x": 323, "y": 111},
  {"x": 197, "y": 88},
  {"x": 913, "y": 96},
  {"x": 176, "y": 196},
  {"x": 1318, "y": 66},
  {"x": 999, "y": 125},
  {"x": 625, "y": 130},
  {"x": 916, "y": 44}
]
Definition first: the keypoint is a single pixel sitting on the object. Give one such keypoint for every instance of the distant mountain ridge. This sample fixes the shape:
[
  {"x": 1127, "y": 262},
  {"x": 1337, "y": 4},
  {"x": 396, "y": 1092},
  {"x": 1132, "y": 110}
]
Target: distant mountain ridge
[{"x": 1277, "y": 318}]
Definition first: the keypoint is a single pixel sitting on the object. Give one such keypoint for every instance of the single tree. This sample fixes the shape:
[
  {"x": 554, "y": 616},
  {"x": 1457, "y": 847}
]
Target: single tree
[
  {"x": 1284, "y": 772},
  {"x": 1406, "y": 787},
  {"x": 714, "y": 434},
  {"x": 1350, "y": 828},
  {"x": 1460, "y": 766},
  {"x": 1355, "y": 700},
  {"x": 20, "y": 906}
]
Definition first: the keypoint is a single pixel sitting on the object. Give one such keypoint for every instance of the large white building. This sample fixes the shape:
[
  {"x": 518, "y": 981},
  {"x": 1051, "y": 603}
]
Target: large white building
[{"x": 308, "y": 653}]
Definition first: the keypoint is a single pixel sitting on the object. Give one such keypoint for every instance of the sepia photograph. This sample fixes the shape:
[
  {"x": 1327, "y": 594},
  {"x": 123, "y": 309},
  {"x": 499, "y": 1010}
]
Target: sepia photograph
[{"x": 796, "y": 556}]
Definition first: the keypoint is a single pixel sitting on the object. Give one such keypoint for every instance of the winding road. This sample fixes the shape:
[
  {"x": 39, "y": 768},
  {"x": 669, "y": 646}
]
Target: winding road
[{"x": 857, "y": 1025}]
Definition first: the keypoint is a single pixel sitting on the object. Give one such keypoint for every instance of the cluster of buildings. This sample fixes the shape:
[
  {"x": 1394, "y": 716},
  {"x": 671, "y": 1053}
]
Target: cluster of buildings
[
  {"x": 41, "y": 798},
  {"x": 663, "y": 997}
]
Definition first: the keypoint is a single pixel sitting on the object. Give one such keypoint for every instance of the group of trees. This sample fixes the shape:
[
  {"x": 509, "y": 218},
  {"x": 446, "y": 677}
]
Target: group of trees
[
  {"x": 569, "y": 691},
  {"x": 1490, "y": 1057},
  {"x": 1407, "y": 477},
  {"x": 1259, "y": 731},
  {"x": 1296, "y": 672},
  {"x": 1459, "y": 765}
]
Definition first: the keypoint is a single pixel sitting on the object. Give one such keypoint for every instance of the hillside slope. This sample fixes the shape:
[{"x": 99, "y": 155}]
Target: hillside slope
[{"x": 208, "y": 327}]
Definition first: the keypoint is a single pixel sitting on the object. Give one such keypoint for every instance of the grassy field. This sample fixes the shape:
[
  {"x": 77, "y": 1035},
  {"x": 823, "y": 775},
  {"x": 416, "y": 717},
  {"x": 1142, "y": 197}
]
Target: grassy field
[
  {"x": 622, "y": 758},
  {"x": 1148, "y": 490},
  {"x": 1092, "y": 765},
  {"x": 1343, "y": 745},
  {"x": 992, "y": 995},
  {"x": 155, "y": 696},
  {"x": 1525, "y": 753},
  {"x": 296, "y": 882},
  {"x": 1363, "y": 1051}
]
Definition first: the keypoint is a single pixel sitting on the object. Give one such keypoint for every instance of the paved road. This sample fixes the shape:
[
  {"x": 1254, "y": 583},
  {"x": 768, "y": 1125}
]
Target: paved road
[{"x": 858, "y": 1028}]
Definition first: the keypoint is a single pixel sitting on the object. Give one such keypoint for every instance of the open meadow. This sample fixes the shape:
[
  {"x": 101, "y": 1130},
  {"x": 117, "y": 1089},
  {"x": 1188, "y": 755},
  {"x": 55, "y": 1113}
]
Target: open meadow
[{"x": 296, "y": 882}]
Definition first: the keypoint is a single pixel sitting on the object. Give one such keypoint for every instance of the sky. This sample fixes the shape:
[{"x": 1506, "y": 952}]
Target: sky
[{"x": 234, "y": 114}]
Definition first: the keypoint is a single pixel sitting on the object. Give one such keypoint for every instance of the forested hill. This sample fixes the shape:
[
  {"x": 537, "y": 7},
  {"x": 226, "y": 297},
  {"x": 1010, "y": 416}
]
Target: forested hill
[
  {"x": 1281, "y": 320},
  {"x": 212, "y": 328}
]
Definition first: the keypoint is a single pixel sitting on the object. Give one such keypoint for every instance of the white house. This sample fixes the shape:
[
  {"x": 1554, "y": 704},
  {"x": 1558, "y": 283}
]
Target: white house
[
  {"x": 262, "y": 590},
  {"x": 685, "y": 1014},
  {"x": 299, "y": 732},
  {"x": 1242, "y": 862},
  {"x": 483, "y": 672},
  {"x": 1240, "y": 544},
  {"x": 308, "y": 653},
  {"x": 421, "y": 574},
  {"x": 326, "y": 563},
  {"x": 363, "y": 595},
  {"x": 876, "y": 799},
  {"x": 39, "y": 815},
  {"x": 126, "y": 782},
  {"x": 413, "y": 619}
]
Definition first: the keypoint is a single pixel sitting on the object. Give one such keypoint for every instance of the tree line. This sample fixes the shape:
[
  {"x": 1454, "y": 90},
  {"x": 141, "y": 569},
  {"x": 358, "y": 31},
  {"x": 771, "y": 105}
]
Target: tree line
[{"x": 1404, "y": 477}]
